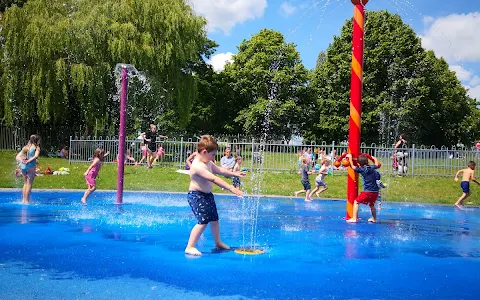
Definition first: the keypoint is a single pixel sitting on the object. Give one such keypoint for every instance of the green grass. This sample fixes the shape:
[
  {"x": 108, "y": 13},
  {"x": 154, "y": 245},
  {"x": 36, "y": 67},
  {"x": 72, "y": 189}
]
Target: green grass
[{"x": 439, "y": 190}]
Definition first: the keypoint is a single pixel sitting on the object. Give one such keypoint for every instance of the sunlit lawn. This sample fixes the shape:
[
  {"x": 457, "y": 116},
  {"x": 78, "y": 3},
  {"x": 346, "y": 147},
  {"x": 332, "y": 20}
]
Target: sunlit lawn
[{"x": 442, "y": 190}]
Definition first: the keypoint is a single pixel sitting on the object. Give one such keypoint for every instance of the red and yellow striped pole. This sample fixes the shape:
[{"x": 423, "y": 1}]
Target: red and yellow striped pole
[{"x": 355, "y": 99}]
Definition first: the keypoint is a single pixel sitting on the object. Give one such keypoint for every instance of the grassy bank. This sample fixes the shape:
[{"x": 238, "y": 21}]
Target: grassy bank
[{"x": 417, "y": 189}]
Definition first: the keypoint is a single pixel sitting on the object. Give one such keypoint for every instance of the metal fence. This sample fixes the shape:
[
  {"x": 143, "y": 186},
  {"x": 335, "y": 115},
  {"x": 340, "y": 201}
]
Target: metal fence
[
  {"x": 278, "y": 157},
  {"x": 12, "y": 138}
]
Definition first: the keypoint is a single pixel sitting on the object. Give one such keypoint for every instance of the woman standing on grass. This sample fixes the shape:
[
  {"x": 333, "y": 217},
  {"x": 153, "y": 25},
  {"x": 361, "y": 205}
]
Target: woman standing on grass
[
  {"x": 27, "y": 159},
  {"x": 92, "y": 173}
]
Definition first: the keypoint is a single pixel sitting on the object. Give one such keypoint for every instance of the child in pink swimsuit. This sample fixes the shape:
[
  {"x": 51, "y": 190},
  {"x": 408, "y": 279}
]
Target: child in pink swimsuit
[
  {"x": 144, "y": 153},
  {"x": 92, "y": 172}
]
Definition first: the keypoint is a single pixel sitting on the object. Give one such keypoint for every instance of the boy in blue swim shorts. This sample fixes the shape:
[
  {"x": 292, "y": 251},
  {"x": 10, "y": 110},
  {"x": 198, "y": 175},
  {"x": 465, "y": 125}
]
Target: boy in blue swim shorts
[
  {"x": 305, "y": 182},
  {"x": 200, "y": 197},
  {"x": 468, "y": 174}
]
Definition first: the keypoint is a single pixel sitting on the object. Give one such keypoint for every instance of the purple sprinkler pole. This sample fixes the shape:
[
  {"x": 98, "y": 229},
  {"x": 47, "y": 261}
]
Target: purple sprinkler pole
[
  {"x": 122, "y": 85},
  {"x": 121, "y": 135}
]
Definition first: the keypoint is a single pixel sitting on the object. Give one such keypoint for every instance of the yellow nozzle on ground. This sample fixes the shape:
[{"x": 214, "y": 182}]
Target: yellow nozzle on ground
[{"x": 248, "y": 251}]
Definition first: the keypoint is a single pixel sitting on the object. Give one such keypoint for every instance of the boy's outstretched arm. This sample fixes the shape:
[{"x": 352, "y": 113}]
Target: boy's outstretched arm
[
  {"x": 204, "y": 173},
  {"x": 225, "y": 172},
  {"x": 475, "y": 179}
]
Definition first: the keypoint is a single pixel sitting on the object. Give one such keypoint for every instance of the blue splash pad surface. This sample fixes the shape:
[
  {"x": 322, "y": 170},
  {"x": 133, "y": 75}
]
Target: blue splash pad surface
[{"x": 59, "y": 249}]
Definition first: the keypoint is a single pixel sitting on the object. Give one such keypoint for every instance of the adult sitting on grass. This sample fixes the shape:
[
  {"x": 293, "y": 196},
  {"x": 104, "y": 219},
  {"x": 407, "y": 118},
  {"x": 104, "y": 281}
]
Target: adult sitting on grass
[{"x": 227, "y": 161}]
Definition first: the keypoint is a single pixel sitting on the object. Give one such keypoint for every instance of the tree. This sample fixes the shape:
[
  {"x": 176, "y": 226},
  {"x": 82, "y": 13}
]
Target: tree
[
  {"x": 58, "y": 62},
  {"x": 4, "y": 4},
  {"x": 321, "y": 58},
  {"x": 406, "y": 89},
  {"x": 209, "y": 113},
  {"x": 269, "y": 84}
]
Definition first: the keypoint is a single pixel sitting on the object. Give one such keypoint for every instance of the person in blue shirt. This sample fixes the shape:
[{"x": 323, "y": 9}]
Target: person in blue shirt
[{"x": 370, "y": 186}]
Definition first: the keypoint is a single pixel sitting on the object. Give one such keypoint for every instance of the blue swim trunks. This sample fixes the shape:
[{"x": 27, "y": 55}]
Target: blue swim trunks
[
  {"x": 465, "y": 186},
  {"x": 236, "y": 181},
  {"x": 306, "y": 185},
  {"x": 203, "y": 206}
]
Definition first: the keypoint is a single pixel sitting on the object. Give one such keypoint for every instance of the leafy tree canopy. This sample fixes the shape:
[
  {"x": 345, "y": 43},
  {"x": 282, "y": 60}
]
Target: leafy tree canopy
[
  {"x": 59, "y": 56},
  {"x": 269, "y": 83},
  {"x": 406, "y": 89},
  {"x": 4, "y": 4}
]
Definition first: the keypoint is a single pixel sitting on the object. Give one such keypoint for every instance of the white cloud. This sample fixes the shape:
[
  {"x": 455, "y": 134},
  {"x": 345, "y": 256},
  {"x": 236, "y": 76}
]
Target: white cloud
[
  {"x": 428, "y": 20},
  {"x": 462, "y": 73},
  {"x": 474, "y": 92},
  {"x": 287, "y": 9},
  {"x": 469, "y": 79},
  {"x": 453, "y": 37},
  {"x": 218, "y": 61},
  {"x": 475, "y": 81},
  {"x": 225, "y": 14}
]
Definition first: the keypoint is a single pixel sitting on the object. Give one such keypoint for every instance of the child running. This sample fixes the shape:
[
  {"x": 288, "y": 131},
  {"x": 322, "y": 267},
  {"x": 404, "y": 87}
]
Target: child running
[
  {"x": 92, "y": 172},
  {"x": 320, "y": 185},
  {"x": 305, "y": 182},
  {"x": 200, "y": 197},
  {"x": 468, "y": 174},
  {"x": 370, "y": 187}
]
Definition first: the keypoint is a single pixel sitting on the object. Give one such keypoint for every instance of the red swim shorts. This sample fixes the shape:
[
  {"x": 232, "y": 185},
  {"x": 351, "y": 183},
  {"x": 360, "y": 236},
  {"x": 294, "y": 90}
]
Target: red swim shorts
[{"x": 368, "y": 198}]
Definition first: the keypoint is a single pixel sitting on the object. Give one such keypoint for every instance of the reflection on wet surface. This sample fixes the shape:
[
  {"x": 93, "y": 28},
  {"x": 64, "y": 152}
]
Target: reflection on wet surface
[{"x": 310, "y": 251}]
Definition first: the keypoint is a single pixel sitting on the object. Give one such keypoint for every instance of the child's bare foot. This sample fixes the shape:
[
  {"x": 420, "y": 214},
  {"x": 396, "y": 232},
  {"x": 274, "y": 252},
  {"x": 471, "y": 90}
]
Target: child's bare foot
[
  {"x": 459, "y": 206},
  {"x": 352, "y": 220},
  {"x": 318, "y": 194},
  {"x": 84, "y": 201},
  {"x": 308, "y": 199},
  {"x": 296, "y": 194},
  {"x": 192, "y": 251},
  {"x": 221, "y": 245},
  {"x": 372, "y": 220}
]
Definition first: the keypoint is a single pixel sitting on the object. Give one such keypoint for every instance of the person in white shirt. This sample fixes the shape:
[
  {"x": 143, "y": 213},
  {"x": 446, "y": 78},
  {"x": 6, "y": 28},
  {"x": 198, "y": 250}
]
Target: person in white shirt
[{"x": 227, "y": 161}]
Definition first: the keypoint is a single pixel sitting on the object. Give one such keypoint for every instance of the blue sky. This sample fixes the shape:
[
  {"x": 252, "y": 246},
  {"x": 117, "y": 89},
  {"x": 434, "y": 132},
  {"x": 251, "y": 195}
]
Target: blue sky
[{"x": 447, "y": 27}]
